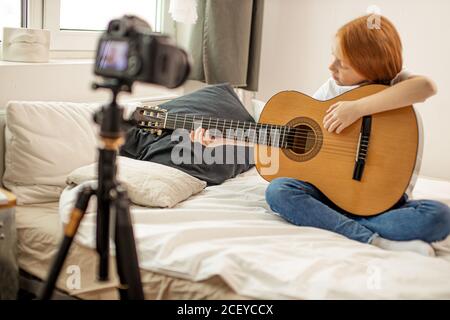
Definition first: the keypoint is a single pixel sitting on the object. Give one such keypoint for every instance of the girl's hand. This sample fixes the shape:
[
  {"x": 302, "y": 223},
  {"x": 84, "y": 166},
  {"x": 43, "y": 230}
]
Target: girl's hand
[
  {"x": 203, "y": 136},
  {"x": 340, "y": 115}
]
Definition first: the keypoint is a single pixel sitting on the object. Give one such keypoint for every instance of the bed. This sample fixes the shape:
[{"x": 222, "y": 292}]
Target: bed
[
  {"x": 225, "y": 243},
  {"x": 38, "y": 238},
  {"x": 217, "y": 245}
]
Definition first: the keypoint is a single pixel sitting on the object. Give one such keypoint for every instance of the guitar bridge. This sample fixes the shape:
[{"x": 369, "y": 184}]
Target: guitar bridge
[{"x": 363, "y": 147}]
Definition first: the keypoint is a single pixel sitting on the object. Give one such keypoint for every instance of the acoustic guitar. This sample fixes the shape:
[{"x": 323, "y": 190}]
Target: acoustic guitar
[{"x": 364, "y": 170}]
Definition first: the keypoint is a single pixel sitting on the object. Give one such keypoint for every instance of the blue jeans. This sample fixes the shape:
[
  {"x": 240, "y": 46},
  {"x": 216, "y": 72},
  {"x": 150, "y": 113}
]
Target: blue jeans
[{"x": 303, "y": 204}]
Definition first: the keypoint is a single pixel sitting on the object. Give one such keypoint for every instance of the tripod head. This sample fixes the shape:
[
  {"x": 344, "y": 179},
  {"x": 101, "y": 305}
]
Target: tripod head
[{"x": 110, "y": 117}]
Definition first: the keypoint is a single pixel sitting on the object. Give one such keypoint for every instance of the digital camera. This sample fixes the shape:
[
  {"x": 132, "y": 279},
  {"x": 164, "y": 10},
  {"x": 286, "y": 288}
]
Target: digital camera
[{"x": 129, "y": 51}]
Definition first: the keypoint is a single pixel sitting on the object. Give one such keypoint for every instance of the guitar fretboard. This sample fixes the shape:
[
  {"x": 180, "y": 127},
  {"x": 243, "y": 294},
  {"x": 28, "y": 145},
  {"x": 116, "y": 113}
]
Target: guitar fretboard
[{"x": 260, "y": 133}]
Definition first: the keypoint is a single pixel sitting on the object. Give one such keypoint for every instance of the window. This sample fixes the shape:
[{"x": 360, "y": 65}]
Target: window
[
  {"x": 10, "y": 15},
  {"x": 75, "y": 25},
  {"x": 95, "y": 15}
]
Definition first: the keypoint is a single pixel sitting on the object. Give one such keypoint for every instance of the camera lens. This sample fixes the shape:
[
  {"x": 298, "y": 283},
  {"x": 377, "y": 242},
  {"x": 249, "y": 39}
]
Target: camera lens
[{"x": 117, "y": 27}]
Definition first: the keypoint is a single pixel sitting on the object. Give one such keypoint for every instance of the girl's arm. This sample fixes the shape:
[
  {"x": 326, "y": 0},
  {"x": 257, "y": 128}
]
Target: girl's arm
[{"x": 413, "y": 90}]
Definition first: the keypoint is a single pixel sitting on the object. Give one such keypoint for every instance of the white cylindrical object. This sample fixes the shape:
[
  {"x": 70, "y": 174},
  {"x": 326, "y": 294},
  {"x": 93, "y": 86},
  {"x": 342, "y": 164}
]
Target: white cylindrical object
[{"x": 26, "y": 45}]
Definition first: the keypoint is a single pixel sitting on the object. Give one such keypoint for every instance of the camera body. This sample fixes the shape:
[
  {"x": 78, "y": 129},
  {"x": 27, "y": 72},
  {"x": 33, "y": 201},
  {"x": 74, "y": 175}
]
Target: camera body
[{"x": 129, "y": 51}]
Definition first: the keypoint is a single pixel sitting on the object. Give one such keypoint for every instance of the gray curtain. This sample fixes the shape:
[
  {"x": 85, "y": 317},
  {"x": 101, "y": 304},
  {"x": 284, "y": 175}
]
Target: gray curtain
[{"x": 225, "y": 43}]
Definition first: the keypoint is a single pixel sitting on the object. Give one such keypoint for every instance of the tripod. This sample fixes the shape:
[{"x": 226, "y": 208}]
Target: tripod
[{"x": 113, "y": 214}]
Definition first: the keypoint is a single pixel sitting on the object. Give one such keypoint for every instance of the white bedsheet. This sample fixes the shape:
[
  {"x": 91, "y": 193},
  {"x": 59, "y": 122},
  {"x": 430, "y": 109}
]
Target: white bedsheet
[{"x": 228, "y": 230}]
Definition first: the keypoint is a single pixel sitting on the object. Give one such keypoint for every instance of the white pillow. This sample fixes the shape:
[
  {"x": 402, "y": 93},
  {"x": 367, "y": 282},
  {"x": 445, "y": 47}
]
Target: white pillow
[
  {"x": 45, "y": 142},
  {"x": 258, "y": 107},
  {"x": 148, "y": 183}
]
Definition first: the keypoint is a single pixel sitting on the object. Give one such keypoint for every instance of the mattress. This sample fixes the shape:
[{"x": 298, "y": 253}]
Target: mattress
[
  {"x": 39, "y": 233},
  {"x": 225, "y": 243}
]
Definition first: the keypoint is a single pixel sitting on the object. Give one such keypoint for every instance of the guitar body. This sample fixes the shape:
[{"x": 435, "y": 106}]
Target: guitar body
[{"x": 327, "y": 160}]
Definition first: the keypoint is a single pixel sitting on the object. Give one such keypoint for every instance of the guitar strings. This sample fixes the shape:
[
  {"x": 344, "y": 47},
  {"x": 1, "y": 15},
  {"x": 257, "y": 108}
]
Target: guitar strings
[
  {"x": 350, "y": 146},
  {"x": 327, "y": 148},
  {"x": 342, "y": 141},
  {"x": 225, "y": 126},
  {"x": 302, "y": 134},
  {"x": 283, "y": 142},
  {"x": 286, "y": 145}
]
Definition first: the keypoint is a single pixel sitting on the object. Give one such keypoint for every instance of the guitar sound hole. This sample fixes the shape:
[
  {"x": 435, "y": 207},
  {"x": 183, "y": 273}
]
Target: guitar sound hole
[{"x": 304, "y": 139}]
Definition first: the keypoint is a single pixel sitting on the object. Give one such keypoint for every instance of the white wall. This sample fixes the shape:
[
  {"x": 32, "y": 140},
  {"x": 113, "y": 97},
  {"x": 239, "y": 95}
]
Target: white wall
[
  {"x": 70, "y": 80},
  {"x": 296, "y": 51},
  {"x": 63, "y": 81}
]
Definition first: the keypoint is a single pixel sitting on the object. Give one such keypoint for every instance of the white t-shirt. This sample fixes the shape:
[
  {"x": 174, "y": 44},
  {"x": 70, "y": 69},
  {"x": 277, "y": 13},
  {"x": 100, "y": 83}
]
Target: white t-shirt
[{"x": 330, "y": 89}]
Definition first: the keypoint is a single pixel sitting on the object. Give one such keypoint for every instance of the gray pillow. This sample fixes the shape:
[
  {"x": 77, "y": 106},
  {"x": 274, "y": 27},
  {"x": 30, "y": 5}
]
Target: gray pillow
[{"x": 216, "y": 101}]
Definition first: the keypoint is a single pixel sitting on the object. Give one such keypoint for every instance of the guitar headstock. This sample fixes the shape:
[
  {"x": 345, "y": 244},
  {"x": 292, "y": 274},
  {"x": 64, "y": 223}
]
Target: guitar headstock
[{"x": 151, "y": 118}]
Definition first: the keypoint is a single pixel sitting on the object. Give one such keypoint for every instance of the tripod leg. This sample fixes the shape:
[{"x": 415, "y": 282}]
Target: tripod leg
[
  {"x": 106, "y": 178},
  {"x": 69, "y": 233},
  {"x": 126, "y": 255}
]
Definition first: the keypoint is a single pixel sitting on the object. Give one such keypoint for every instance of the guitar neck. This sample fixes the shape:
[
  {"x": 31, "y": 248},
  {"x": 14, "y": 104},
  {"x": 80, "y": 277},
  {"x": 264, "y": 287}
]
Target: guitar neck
[{"x": 249, "y": 132}]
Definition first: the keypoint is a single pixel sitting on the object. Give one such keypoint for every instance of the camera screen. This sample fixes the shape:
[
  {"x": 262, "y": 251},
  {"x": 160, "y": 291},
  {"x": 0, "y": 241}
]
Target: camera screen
[{"x": 113, "y": 55}]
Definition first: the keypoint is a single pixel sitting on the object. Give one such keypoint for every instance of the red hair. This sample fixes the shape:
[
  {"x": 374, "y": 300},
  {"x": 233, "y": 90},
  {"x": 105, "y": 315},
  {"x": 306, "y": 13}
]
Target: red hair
[{"x": 372, "y": 47}]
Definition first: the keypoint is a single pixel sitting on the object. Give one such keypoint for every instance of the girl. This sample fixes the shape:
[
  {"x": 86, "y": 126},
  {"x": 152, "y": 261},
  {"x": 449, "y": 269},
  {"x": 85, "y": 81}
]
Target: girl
[{"x": 363, "y": 55}]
